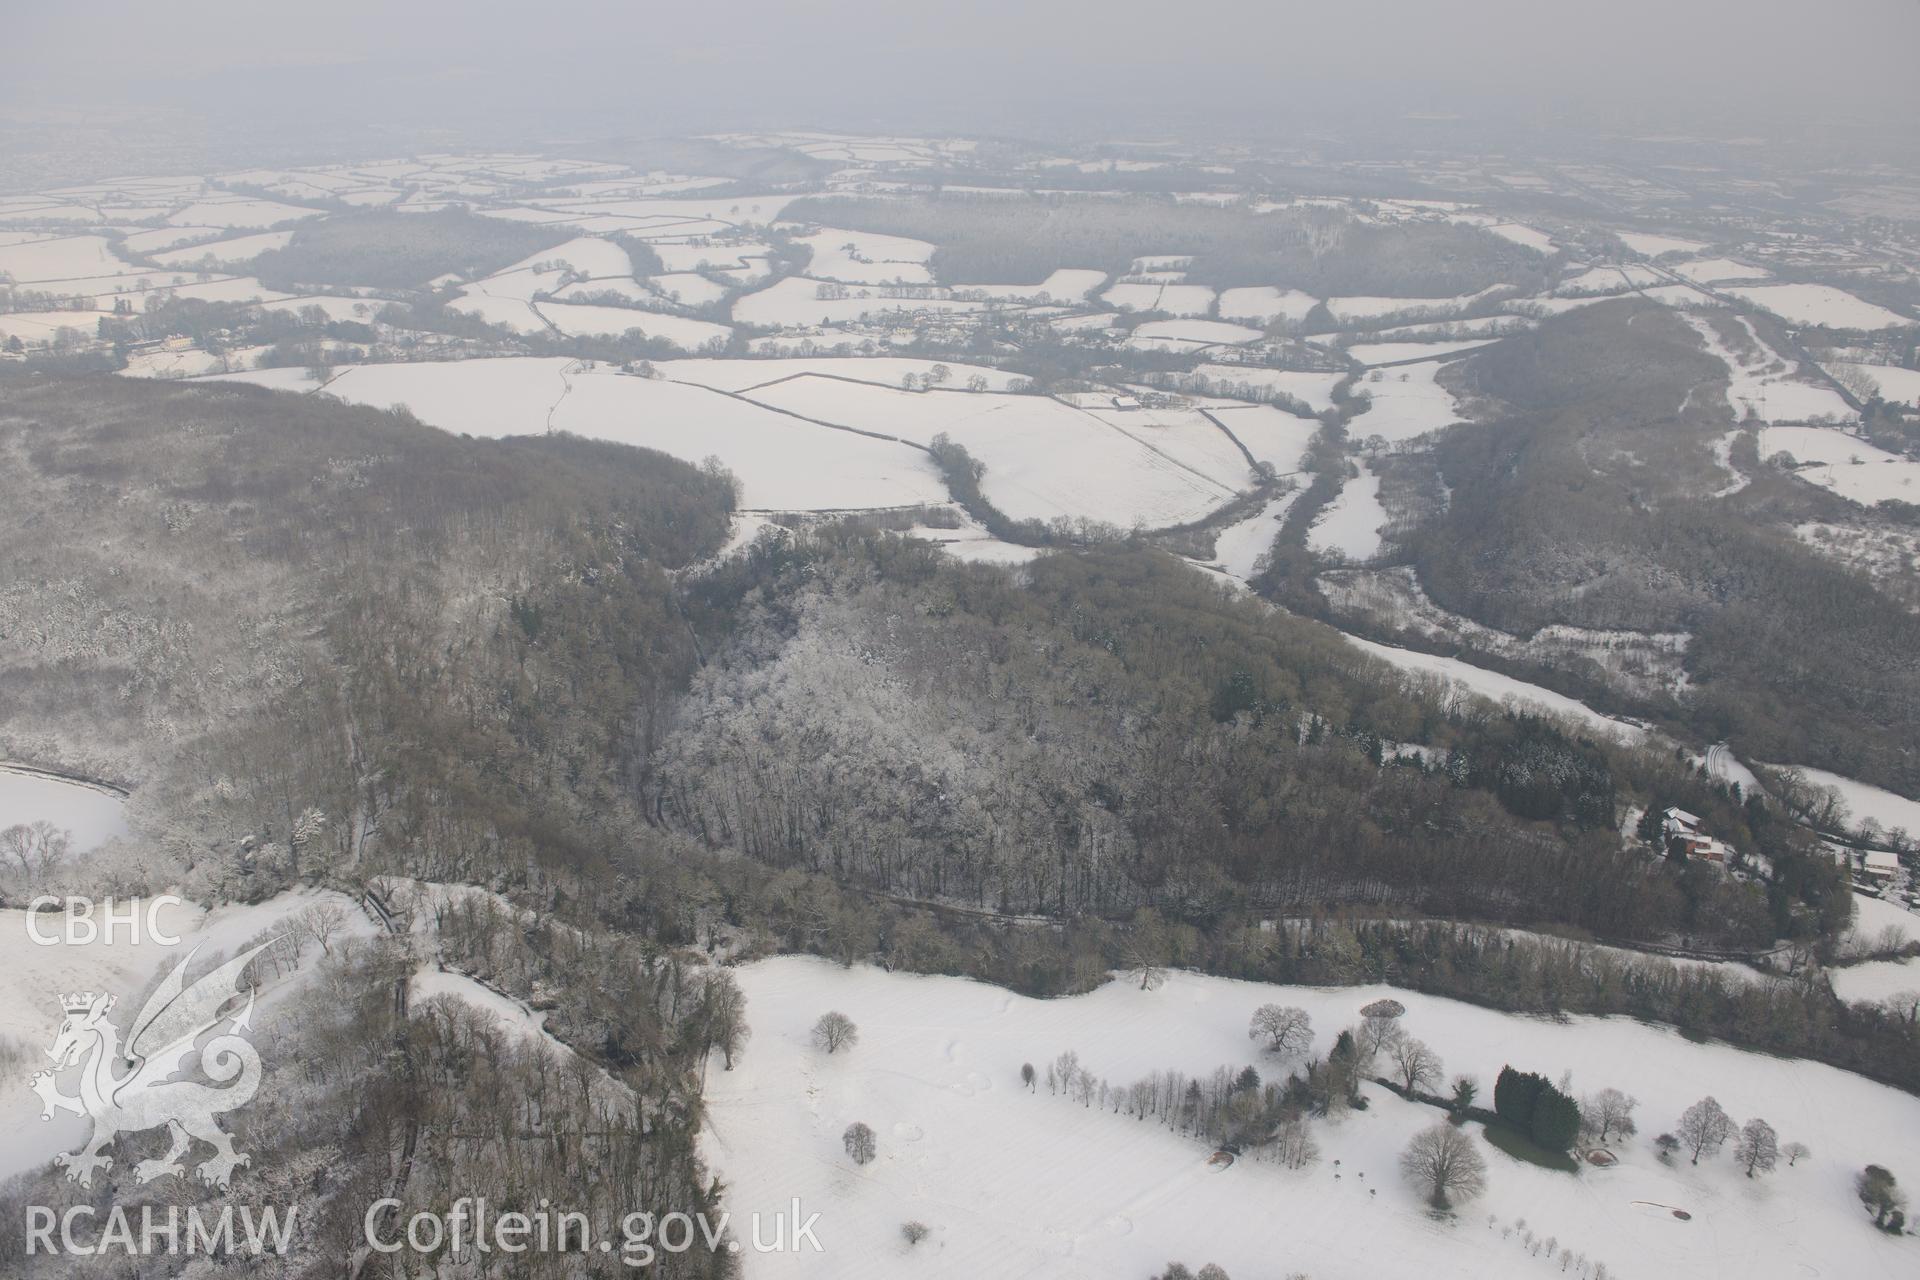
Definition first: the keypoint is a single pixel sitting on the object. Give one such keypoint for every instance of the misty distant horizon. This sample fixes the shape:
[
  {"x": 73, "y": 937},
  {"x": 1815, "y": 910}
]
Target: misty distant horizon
[{"x": 1390, "y": 71}]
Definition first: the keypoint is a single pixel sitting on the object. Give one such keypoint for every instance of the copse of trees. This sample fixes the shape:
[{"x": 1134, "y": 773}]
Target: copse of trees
[
  {"x": 1536, "y": 1107},
  {"x": 401, "y": 250}
]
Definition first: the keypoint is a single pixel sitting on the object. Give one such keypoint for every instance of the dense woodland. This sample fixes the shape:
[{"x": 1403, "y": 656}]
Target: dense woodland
[
  {"x": 1580, "y": 499},
  {"x": 505, "y": 664},
  {"x": 401, "y": 250}
]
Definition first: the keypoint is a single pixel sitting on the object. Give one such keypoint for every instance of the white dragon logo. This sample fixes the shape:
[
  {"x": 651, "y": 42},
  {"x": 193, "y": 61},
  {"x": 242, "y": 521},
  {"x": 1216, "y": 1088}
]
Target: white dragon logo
[{"x": 164, "y": 1036}]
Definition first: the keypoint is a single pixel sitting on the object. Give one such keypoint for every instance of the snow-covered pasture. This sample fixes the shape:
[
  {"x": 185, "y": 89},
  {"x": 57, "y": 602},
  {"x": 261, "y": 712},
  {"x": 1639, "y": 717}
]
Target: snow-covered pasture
[
  {"x": 1852, "y": 468},
  {"x": 887, "y": 371},
  {"x": 1271, "y": 435},
  {"x": 1350, "y": 526},
  {"x": 91, "y": 815},
  {"x": 1263, "y": 304},
  {"x": 1608, "y": 279},
  {"x": 795, "y": 301},
  {"x": 1761, "y": 384},
  {"x": 1876, "y": 980},
  {"x": 1892, "y": 382},
  {"x": 225, "y": 252},
  {"x": 239, "y": 213},
  {"x": 783, "y": 463},
  {"x": 587, "y": 320},
  {"x": 1375, "y": 308},
  {"x": 1174, "y": 299},
  {"x": 1067, "y": 284},
  {"x": 1865, "y": 801},
  {"x": 1820, "y": 304},
  {"x": 1379, "y": 353},
  {"x": 1238, "y": 547},
  {"x": 1715, "y": 270},
  {"x": 1499, "y": 688},
  {"x": 863, "y": 257},
  {"x": 1019, "y": 1183},
  {"x": 40, "y": 263},
  {"x": 1197, "y": 332},
  {"x": 1311, "y": 388},
  {"x": 1405, "y": 402},
  {"x": 1649, "y": 245},
  {"x": 1043, "y": 458}
]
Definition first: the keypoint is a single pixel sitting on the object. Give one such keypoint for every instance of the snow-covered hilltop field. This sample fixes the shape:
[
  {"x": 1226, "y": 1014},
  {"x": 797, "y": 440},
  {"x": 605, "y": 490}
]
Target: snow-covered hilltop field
[{"x": 1016, "y": 1182}]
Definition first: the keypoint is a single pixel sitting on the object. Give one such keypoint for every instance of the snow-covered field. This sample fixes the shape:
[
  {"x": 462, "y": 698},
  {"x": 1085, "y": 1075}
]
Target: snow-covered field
[
  {"x": 1372, "y": 353},
  {"x": 863, "y": 257},
  {"x": 1851, "y": 467},
  {"x": 1312, "y": 388},
  {"x": 1499, "y": 688},
  {"x": 1892, "y": 382},
  {"x": 783, "y": 463},
  {"x": 1043, "y": 458},
  {"x": 1271, "y": 435},
  {"x": 1017, "y": 1183},
  {"x": 239, "y": 213},
  {"x": 796, "y": 300},
  {"x": 1197, "y": 332},
  {"x": 1238, "y": 547},
  {"x": 1876, "y": 980},
  {"x": 587, "y": 320},
  {"x": 1174, "y": 299},
  {"x": 1373, "y": 308},
  {"x": 1761, "y": 383},
  {"x": 1608, "y": 279},
  {"x": 1263, "y": 304},
  {"x": 1351, "y": 524},
  {"x": 1714, "y": 270},
  {"x": 1406, "y": 402},
  {"x": 225, "y": 252},
  {"x": 1866, "y": 801},
  {"x": 1820, "y": 304},
  {"x": 1525, "y": 236},
  {"x": 1647, "y": 663},
  {"x": 92, "y": 816},
  {"x": 1067, "y": 284},
  {"x": 1649, "y": 245},
  {"x": 887, "y": 371},
  {"x": 38, "y": 262},
  {"x": 1875, "y": 917}
]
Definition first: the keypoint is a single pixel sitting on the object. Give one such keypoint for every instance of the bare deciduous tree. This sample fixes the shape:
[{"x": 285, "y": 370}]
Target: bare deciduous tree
[
  {"x": 1608, "y": 1114},
  {"x": 1289, "y": 1031},
  {"x": 1417, "y": 1064},
  {"x": 859, "y": 1142},
  {"x": 1703, "y": 1128},
  {"x": 322, "y": 922},
  {"x": 1442, "y": 1161},
  {"x": 835, "y": 1031},
  {"x": 1758, "y": 1148},
  {"x": 1294, "y": 1145},
  {"x": 724, "y": 1015}
]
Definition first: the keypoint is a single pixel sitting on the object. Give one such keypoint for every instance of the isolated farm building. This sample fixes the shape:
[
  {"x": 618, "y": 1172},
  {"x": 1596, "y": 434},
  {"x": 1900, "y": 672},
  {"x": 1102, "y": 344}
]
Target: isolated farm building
[
  {"x": 1880, "y": 866},
  {"x": 1699, "y": 848},
  {"x": 1678, "y": 822}
]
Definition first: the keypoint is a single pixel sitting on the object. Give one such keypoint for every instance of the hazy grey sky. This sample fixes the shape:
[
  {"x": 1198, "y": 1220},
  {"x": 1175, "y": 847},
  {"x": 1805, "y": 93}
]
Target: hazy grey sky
[{"x": 662, "y": 67}]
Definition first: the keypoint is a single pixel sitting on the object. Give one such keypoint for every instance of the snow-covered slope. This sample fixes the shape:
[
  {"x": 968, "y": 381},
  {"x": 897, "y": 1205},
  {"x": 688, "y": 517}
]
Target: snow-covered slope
[{"x": 1019, "y": 1184}]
